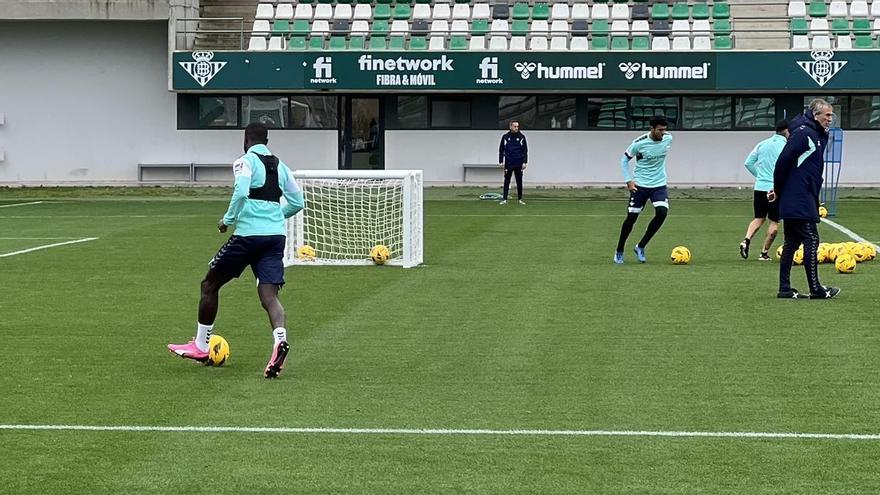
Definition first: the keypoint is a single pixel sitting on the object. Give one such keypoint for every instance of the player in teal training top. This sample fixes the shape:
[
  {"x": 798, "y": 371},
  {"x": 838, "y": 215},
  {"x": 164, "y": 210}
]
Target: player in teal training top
[
  {"x": 761, "y": 163},
  {"x": 648, "y": 181},
  {"x": 255, "y": 210}
]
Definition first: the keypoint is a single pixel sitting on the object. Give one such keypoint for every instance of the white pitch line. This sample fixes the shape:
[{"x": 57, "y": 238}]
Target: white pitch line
[
  {"x": 47, "y": 246},
  {"x": 34, "y": 238},
  {"x": 852, "y": 235},
  {"x": 447, "y": 432},
  {"x": 21, "y": 204}
]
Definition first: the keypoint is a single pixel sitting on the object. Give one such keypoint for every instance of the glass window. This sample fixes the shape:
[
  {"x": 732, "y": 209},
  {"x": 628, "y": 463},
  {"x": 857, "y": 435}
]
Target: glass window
[
  {"x": 313, "y": 112},
  {"x": 451, "y": 113},
  {"x": 642, "y": 108},
  {"x": 757, "y": 113},
  {"x": 412, "y": 112},
  {"x": 606, "y": 113},
  {"x": 706, "y": 112},
  {"x": 269, "y": 110},
  {"x": 556, "y": 112},
  {"x": 865, "y": 112},
  {"x": 218, "y": 111},
  {"x": 519, "y": 108},
  {"x": 840, "y": 108}
]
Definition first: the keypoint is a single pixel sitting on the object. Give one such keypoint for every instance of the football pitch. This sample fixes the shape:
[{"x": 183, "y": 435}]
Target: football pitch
[{"x": 518, "y": 359}]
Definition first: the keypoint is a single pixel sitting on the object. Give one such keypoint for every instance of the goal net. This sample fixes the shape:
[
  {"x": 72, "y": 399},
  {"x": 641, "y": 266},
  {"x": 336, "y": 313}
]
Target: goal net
[{"x": 348, "y": 212}]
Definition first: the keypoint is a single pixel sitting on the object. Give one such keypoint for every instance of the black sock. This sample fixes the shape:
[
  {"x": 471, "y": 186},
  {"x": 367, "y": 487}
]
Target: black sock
[
  {"x": 625, "y": 230},
  {"x": 660, "y": 213}
]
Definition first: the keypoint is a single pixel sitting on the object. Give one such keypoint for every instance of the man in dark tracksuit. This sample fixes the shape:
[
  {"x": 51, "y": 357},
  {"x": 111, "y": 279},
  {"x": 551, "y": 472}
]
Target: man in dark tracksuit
[
  {"x": 513, "y": 156},
  {"x": 796, "y": 183}
]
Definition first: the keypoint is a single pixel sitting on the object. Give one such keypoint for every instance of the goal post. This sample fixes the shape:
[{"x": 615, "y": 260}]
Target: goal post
[{"x": 349, "y": 211}]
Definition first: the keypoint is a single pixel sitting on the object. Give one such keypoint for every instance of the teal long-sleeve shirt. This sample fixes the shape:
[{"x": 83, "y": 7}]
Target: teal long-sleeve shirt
[
  {"x": 761, "y": 162},
  {"x": 252, "y": 217}
]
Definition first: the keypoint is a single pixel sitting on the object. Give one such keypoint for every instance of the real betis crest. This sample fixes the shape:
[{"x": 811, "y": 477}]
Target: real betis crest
[
  {"x": 822, "y": 68},
  {"x": 202, "y": 69}
]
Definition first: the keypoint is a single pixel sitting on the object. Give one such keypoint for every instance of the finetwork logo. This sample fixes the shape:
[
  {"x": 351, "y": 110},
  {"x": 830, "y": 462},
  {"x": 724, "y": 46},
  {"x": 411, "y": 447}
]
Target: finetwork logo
[
  {"x": 489, "y": 71},
  {"x": 558, "y": 72},
  {"x": 645, "y": 71},
  {"x": 202, "y": 69},
  {"x": 405, "y": 71},
  {"x": 821, "y": 69},
  {"x": 323, "y": 67}
]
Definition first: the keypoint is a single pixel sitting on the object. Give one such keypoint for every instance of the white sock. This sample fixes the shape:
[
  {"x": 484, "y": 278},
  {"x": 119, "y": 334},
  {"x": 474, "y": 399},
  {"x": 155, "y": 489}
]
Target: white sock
[
  {"x": 280, "y": 334},
  {"x": 203, "y": 335}
]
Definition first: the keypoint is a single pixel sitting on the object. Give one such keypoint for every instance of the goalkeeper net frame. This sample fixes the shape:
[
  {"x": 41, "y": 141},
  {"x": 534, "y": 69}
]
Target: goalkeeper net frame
[{"x": 348, "y": 212}]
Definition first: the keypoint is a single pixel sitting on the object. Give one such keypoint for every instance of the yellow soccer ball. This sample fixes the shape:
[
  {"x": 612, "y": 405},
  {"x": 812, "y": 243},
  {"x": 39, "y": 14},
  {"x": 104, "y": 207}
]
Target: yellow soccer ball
[
  {"x": 834, "y": 250},
  {"x": 380, "y": 254},
  {"x": 823, "y": 212},
  {"x": 822, "y": 252},
  {"x": 870, "y": 250},
  {"x": 681, "y": 255},
  {"x": 218, "y": 351},
  {"x": 860, "y": 252},
  {"x": 306, "y": 252},
  {"x": 779, "y": 252},
  {"x": 799, "y": 256},
  {"x": 846, "y": 263}
]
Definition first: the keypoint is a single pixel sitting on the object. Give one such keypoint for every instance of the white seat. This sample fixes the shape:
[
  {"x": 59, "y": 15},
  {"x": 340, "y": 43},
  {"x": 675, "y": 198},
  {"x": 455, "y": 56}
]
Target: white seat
[
  {"x": 461, "y": 11},
  {"x": 844, "y": 42},
  {"x": 323, "y": 11},
  {"x": 499, "y": 26},
  {"x": 660, "y": 44},
  {"x": 480, "y": 11},
  {"x": 538, "y": 43},
  {"x": 320, "y": 27},
  {"x": 441, "y": 11},
  {"x": 681, "y": 27},
  {"x": 579, "y": 44},
  {"x": 580, "y": 11},
  {"x": 619, "y": 28},
  {"x": 681, "y": 43},
  {"x": 439, "y": 27},
  {"x": 859, "y": 8},
  {"x": 257, "y": 44},
  {"x": 620, "y": 11},
  {"x": 363, "y": 11},
  {"x": 819, "y": 26},
  {"x": 261, "y": 27},
  {"x": 342, "y": 11},
  {"x": 701, "y": 27},
  {"x": 559, "y": 43},
  {"x": 284, "y": 11},
  {"x": 877, "y": 24},
  {"x": 560, "y": 11},
  {"x": 460, "y": 27},
  {"x": 421, "y": 11},
  {"x": 303, "y": 11},
  {"x": 559, "y": 27},
  {"x": 265, "y": 11},
  {"x": 477, "y": 43},
  {"x": 276, "y": 44},
  {"x": 600, "y": 11},
  {"x": 360, "y": 27},
  {"x": 800, "y": 42},
  {"x": 517, "y": 43},
  {"x": 640, "y": 28},
  {"x": 399, "y": 27},
  {"x": 437, "y": 43},
  {"x": 702, "y": 43},
  {"x": 797, "y": 8},
  {"x": 821, "y": 42},
  {"x": 539, "y": 28},
  {"x": 498, "y": 43},
  {"x": 837, "y": 9},
  {"x": 875, "y": 8}
]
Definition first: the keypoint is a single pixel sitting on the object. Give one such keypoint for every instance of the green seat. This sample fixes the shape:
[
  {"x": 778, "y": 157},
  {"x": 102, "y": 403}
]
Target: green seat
[
  {"x": 402, "y": 12},
  {"x": 840, "y": 26},
  {"x": 378, "y": 43},
  {"x": 316, "y": 43},
  {"x": 619, "y": 43},
  {"x": 306, "y": 1},
  {"x": 600, "y": 28},
  {"x": 541, "y": 11},
  {"x": 799, "y": 26},
  {"x": 700, "y": 11},
  {"x": 818, "y": 8},
  {"x": 296, "y": 43},
  {"x": 861, "y": 26},
  {"x": 357, "y": 43},
  {"x": 681, "y": 11},
  {"x": 599, "y": 43},
  {"x": 458, "y": 43},
  {"x": 386, "y": 2},
  {"x": 301, "y": 27},
  {"x": 660, "y": 11},
  {"x": 521, "y": 11},
  {"x": 480, "y": 27},
  {"x": 519, "y": 27},
  {"x": 418, "y": 43},
  {"x": 397, "y": 43},
  {"x": 380, "y": 28},
  {"x": 382, "y": 12},
  {"x": 863, "y": 42},
  {"x": 641, "y": 43},
  {"x": 338, "y": 43},
  {"x": 721, "y": 10},
  {"x": 723, "y": 42},
  {"x": 721, "y": 26},
  {"x": 281, "y": 27}
]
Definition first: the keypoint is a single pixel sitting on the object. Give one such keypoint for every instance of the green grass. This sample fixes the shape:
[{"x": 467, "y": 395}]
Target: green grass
[{"x": 518, "y": 320}]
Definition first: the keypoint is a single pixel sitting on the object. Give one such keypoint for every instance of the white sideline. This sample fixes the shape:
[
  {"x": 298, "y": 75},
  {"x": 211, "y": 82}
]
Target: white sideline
[
  {"x": 849, "y": 233},
  {"x": 21, "y": 204},
  {"x": 444, "y": 431},
  {"x": 47, "y": 246}
]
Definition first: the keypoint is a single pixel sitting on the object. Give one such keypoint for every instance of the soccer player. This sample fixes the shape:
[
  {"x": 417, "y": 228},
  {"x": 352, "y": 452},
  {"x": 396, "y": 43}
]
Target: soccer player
[
  {"x": 761, "y": 163},
  {"x": 261, "y": 179},
  {"x": 796, "y": 183},
  {"x": 513, "y": 157},
  {"x": 648, "y": 181}
]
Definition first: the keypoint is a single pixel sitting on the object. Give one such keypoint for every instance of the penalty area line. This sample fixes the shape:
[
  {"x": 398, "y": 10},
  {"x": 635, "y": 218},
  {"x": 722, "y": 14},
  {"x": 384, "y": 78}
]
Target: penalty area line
[
  {"x": 447, "y": 432},
  {"x": 47, "y": 246}
]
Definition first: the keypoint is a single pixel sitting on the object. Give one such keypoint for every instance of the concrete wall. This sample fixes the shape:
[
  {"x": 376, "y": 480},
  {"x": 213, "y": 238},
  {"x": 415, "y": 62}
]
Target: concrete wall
[{"x": 140, "y": 10}]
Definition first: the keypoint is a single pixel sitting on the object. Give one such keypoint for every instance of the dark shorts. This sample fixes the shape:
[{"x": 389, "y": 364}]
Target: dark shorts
[
  {"x": 263, "y": 253},
  {"x": 764, "y": 208},
  {"x": 659, "y": 196}
]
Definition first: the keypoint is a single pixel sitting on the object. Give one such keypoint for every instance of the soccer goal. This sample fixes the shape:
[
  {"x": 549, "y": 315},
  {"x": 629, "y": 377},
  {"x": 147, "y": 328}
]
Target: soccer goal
[{"x": 348, "y": 212}]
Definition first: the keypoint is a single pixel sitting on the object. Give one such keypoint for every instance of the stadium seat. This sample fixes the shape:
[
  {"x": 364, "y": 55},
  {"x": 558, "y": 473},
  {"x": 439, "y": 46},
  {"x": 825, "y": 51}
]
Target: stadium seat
[
  {"x": 498, "y": 43},
  {"x": 420, "y": 27},
  {"x": 877, "y": 25},
  {"x": 276, "y": 44},
  {"x": 660, "y": 28},
  {"x": 337, "y": 43},
  {"x": 481, "y": 11},
  {"x": 360, "y": 28},
  {"x": 541, "y": 11},
  {"x": 342, "y": 11},
  {"x": 303, "y": 11},
  {"x": 439, "y": 27},
  {"x": 281, "y": 27},
  {"x": 724, "y": 42},
  {"x": 580, "y": 11},
  {"x": 640, "y": 12},
  {"x": 265, "y": 11},
  {"x": 818, "y": 8},
  {"x": 480, "y": 27},
  {"x": 341, "y": 27},
  {"x": 619, "y": 43},
  {"x": 441, "y": 11},
  {"x": 799, "y": 26},
  {"x": 619, "y": 28},
  {"x": 418, "y": 43},
  {"x": 640, "y": 28},
  {"x": 477, "y": 43},
  {"x": 620, "y": 11},
  {"x": 797, "y": 8},
  {"x": 702, "y": 43},
  {"x": 701, "y": 27},
  {"x": 721, "y": 10},
  {"x": 579, "y": 44},
  {"x": 363, "y": 11},
  {"x": 402, "y": 12},
  {"x": 680, "y": 10},
  {"x": 521, "y": 11},
  {"x": 296, "y": 43},
  {"x": 660, "y": 11},
  {"x": 559, "y": 43},
  {"x": 539, "y": 28},
  {"x": 837, "y": 9},
  {"x": 722, "y": 26},
  {"x": 641, "y": 43},
  {"x": 601, "y": 11},
  {"x": 461, "y": 11},
  {"x": 858, "y": 8},
  {"x": 421, "y": 11},
  {"x": 681, "y": 43},
  {"x": 382, "y": 12},
  {"x": 600, "y": 42},
  {"x": 499, "y": 27},
  {"x": 660, "y": 43},
  {"x": 261, "y": 28},
  {"x": 500, "y": 11},
  {"x": 558, "y": 28},
  {"x": 316, "y": 43},
  {"x": 819, "y": 26},
  {"x": 284, "y": 11},
  {"x": 397, "y": 43},
  {"x": 323, "y": 11},
  {"x": 700, "y": 10},
  {"x": 320, "y": 28},
  {"x": 863, "y": 42},
  {"x": 821, "y": 43},
  {"x": 301, "y": 28},
  {"x": 600, "y": 28},
  {"x": 840, "y": 26},
  {"x": 800, "y": 42},
  {"x": 579, "y": 27},
  {"x": 843, "y": 42},
  {"x": 538, "y": 43},
  {"x": 517, "y": 44},
  {"x": 377, "y": 43},
  {"x": 458, "y": 43},
  {"x": 861, "y": 26},
  {"x": 680, "y": 27},
  {"x": 399, "y": 27},
  {"x": 519, "y": 27},
  {"x": 459, "y": 27},
  {"x": 560, "y": 11},
  {"x": 380, "y": 28},
  {"x": 875, "y": 8},
  {"x": 437, "y": 43}
]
